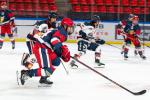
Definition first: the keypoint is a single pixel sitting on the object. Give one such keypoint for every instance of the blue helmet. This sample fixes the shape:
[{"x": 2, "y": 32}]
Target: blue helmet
[
  {"x": 131, "y": 16},
  {"x": 52, "y": 15},
  {"x": 95, "y": 18}
]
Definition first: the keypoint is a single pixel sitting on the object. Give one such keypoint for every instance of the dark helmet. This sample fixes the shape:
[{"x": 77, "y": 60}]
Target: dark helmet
[
  {"x": 131, "y": 16},
  {"x": 52, "y": 15},
  {"x": 95, "y": 19}
]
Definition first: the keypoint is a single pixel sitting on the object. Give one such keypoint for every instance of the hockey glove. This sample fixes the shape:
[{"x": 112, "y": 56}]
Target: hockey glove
[{"x": 65, "y": 55}]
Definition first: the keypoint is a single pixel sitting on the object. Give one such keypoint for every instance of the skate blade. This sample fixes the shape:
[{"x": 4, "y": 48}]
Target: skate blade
[
  {"x": 44, "y": 85},
  {"x": 23, "y": 56},
  {"x": 126, "y": 59},
  {"x": 102, "y": 66},
  {"x": 18, "y": 78},
  {"x": 74, "y": 67}
]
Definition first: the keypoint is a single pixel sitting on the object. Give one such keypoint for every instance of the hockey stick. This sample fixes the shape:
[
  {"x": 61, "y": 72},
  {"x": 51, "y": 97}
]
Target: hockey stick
[
  {"x": 113, "y": 46},
  {"x": 134, "y": 93},
  {"x": 67, "y": 72}
]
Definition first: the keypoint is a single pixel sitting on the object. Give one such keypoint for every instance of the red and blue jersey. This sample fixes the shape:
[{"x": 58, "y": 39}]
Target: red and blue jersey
[
  {"x": 7, "y": 17},
  {"x": 135, "y": 28},
  {"x": 55, "y": 38}
]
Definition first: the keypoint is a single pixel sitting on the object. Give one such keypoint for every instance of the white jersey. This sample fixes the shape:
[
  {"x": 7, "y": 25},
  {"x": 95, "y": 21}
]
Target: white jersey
[{"x": 89, "y": 30}]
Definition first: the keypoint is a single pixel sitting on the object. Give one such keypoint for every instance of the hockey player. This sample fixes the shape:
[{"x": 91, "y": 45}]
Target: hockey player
[
  {"x": 48, "y": 50},
  {"x": 121, "y": 26},
  {"x": 131, "y": 34},
  {"x": 51, "y": 22},
  {"x": 6, "y": 24},
  {"x": 89, "y": 39}
]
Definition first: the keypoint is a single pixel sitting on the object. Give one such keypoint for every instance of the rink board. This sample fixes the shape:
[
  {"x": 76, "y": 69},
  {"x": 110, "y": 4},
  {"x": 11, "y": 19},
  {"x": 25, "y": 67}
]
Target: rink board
[{"x": 107, "y": 30}]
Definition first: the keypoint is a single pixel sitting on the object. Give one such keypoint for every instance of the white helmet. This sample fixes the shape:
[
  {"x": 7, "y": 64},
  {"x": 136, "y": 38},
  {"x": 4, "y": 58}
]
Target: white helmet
[{"x": 43, "y": 28}]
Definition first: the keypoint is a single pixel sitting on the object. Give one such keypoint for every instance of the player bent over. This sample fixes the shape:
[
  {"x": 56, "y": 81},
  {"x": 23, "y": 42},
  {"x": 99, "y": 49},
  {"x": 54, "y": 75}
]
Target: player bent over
[
  {"x": 50, "y": 21},
  {"x": 49, "y": 50}
]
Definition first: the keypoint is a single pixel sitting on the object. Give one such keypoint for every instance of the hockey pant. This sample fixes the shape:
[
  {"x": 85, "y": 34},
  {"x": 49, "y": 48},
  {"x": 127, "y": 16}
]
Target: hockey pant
[
  {"x": 135, "y": 42},
  {"x": 46, "y": 60}
]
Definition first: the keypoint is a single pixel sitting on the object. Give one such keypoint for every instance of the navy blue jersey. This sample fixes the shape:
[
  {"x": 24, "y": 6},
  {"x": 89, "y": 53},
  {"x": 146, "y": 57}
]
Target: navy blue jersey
[
  {"x": 135, "y": 28},
  {"x": 55, "y": 38}
]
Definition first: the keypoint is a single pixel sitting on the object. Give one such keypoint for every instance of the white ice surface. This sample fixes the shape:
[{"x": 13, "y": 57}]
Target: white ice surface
[{"x": 81, "y": 83}]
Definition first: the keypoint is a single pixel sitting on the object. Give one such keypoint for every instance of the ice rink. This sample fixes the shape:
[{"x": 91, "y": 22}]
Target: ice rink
[{"x": 81, "y": 83}]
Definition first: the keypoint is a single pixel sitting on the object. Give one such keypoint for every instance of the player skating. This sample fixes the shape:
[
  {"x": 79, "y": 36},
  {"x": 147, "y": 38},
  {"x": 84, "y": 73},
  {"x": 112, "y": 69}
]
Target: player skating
[
  {"x": 50, "y": 21},
  {"x": 41, "y": 27},
  {"x": 89, "y": 39},
  {"x": 121, "y": 26},
  {"x": 48, "y": 50},
  {"x": 6, "y": 24},
  {"x": 131, "y": 33}
]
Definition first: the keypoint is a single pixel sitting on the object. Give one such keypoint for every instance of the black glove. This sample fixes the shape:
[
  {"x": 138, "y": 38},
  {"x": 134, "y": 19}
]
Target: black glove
[
  {"x": 119, "y": 26},
  {"x": 100, "y": 41}
]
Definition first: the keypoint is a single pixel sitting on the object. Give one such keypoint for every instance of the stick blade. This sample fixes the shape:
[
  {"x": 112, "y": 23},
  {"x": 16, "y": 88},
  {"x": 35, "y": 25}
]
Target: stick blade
[{"x": 140, "y": 93}]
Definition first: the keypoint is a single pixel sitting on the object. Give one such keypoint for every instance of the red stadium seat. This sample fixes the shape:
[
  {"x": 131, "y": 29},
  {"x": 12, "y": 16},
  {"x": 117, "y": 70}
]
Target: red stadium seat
[
  {"x": 53, "y": 8},
  {"x": 51, "y": 1},
  {"x": 12, "y": 6},
  {"x": 83, "y": 2},
  {"x": 41, "y": 14},
  {"x": 36, "y": 7},
  {"x": 141, "y": 3},
  {"x": 127, "y": 10},
  {"x": 116, "y": 2},
  {"x": 18, "y": 0},
  {"x": 32, "y": 14},
  {"x": 133, "y": 2},
  {"x": 119, "y": 10},
  {"x": 42, "y": 1},
  {"x": 91, "y": 2},
  {"x": 28, "y": 1},
  {"x": 76, "y": 8},
  {"x": 45, "y": 7},
  {"x": 136, "y": 10},
  {"x": 85, "y": 8},
  {"x": 74, "y": 1},
  {"x": 145, "y": 10},
  {"x": 35, "y": 1},
  {"x": 93, "y": 8},
  {"x": 28, "y": 7},
  {"x": 148, "y": 3},
  {"x": 101, "y": 9},
  {"x": 20, "y": 13},
  {"x": 111, "y": 9},
  {"x": 125, "y": 2},
  {"x": 99, "y": 2},
  {"x": 20, "y": 7},
  {"x": 108, "y": 2},
  {"x": 11, "y": 0}
]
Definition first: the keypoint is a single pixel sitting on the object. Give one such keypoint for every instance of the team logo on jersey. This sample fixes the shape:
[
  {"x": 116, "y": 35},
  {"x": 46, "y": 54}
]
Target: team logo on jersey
[{"x": 1, "y": 19}]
